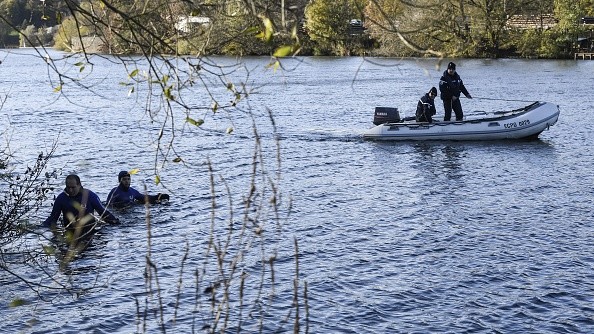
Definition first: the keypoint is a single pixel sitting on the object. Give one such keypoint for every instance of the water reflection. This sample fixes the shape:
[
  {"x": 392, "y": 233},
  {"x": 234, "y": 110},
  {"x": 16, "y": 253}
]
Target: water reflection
[
  {"x": 452, "y": 163},
  {"x": 72, "y": 257},
  {"x": 439, "y": 159},
  {"x": 435, "y": 222}
]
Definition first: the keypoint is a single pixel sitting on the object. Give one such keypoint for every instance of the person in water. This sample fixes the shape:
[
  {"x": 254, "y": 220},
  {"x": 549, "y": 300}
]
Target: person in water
[
  {"x": 123, "y": 195},
  {"x": 426, "y": 106},
  {"x": 77, "y": 205},
  {"x": 450, "y": 86}
]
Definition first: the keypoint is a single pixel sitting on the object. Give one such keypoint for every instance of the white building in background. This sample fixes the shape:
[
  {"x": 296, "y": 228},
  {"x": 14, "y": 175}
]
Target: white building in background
[
  {"x": 523, "y": 22},
  {"x": 187, "y": 24}
]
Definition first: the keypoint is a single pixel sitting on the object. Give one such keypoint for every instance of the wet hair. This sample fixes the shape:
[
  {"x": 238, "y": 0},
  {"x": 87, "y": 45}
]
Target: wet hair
[
  {"x": 122, "y": 174},
  {"x": 73, "y": 177}
]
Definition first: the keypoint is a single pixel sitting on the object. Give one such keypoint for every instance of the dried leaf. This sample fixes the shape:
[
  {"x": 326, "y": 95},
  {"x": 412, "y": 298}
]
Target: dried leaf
[{"x": 194, "y": 122}]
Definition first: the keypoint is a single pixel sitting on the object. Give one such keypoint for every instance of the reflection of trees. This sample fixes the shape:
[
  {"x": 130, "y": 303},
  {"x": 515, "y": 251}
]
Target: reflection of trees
[
  {"x": 437, "y": 160},
  {"x": 451, "y": 163}
]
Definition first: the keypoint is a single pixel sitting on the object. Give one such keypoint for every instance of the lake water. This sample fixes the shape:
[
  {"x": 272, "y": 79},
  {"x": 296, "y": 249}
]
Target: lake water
[{"x": 435, "y": 237}]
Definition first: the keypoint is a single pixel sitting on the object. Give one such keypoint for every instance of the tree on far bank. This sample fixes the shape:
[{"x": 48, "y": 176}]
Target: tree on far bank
[
  {"x": 327, "y": 24},
  {"x": 403, "y": 28},
  {"x": 588, "y": 7},
  {"x": 474, "y": 28}
]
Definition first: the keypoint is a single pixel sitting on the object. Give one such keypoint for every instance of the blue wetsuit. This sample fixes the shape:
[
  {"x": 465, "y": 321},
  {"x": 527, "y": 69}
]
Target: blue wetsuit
[
  {"x": 70, "y": 209},
  {"x": 121, "y": 197}
]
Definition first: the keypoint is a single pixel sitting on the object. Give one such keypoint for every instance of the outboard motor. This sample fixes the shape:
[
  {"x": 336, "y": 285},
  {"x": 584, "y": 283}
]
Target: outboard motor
[{"x": 386, "y": 115}]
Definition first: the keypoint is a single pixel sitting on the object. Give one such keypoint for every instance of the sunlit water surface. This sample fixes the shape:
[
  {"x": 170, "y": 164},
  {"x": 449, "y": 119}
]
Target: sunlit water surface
[{"x": 441, "y": 237}]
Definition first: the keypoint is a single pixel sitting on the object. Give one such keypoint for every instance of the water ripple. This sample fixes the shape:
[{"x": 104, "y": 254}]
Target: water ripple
[{"x": 440, "y": 237}]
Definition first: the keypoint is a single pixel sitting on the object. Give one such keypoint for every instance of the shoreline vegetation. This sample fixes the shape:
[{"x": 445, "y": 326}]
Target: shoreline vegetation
[{"x": 433, "y": 28}]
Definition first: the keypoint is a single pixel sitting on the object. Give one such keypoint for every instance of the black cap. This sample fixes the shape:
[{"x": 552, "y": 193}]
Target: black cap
[
  {"x": 433, "y": 91},
  {"x": 452, "y": 66},
  {"x": 122, "y": 174}
]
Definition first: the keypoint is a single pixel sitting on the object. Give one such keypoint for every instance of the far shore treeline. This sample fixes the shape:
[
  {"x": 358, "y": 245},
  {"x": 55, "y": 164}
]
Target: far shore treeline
[{"x": 453, "y": 28}]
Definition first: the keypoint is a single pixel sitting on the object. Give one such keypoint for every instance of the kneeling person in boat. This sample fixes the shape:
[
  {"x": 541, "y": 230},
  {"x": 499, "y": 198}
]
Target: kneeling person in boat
[
  {"x": 426, "y": 106},
  {"x": 123, "y": 195},
  {"x": 77, "y": 205}
]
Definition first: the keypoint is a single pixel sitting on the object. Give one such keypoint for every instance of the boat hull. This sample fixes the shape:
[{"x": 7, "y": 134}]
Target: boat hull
[{"x": 524, "y": 123}]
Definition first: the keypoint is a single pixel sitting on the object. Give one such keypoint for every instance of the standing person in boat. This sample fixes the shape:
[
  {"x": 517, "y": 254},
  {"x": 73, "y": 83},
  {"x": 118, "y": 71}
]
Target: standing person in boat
[
  {"x": 450, "y": 86},
  {"x": 426, "y": 106},
  {"x": 123, "y": 195},
  {"x": 77, "y": 205}
]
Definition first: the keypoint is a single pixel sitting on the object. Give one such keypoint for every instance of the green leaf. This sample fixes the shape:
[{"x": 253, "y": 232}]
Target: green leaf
[
  {"x": 168, "y": 93},
  {"x": 252, "y": 30},
  {"x": 269, "y": 29},
  {"x": 157, "y": 179},
  {"x": 275, "y": 65},
  {"x": 178, "y": 159},
  {"x": 17, "y": 302},
  {"x": 133, "y": 73},
  {"x": 58, "y": 89},
  {"x": 49, "y": 250},
  {"x": 283, "y": 51},
  {"x": 237, "y": 99},
  {"x": 194, "y": 122}
]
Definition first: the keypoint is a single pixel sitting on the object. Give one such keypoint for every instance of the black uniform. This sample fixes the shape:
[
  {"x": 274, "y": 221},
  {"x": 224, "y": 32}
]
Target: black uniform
[
  {"x": 425, "y": 109},
  {"x": 451, "y": 86}
]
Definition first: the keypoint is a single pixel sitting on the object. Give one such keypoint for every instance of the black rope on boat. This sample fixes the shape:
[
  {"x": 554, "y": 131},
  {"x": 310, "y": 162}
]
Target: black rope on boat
[{"x": 494, "y": 99}]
